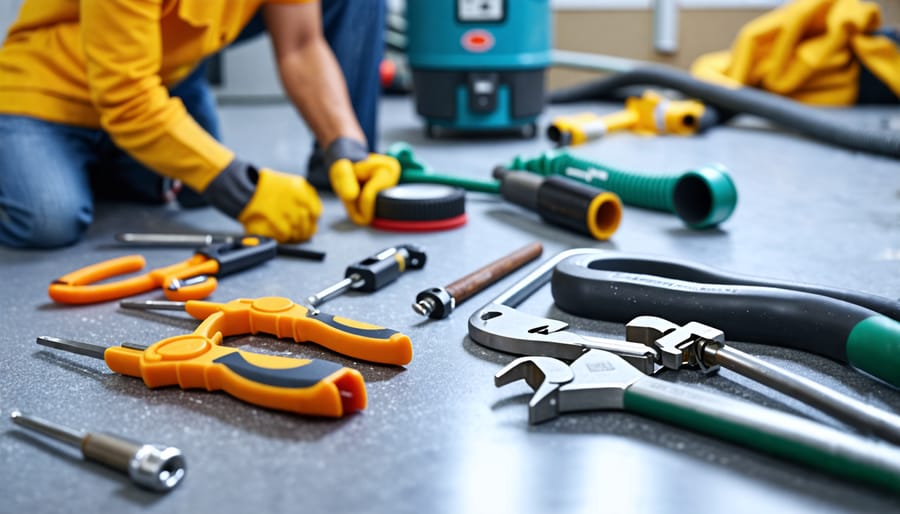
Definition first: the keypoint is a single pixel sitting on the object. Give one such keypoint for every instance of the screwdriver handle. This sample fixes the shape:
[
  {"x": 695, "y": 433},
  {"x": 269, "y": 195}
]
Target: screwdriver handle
[
  {"x": 774, "y": 432},
  {"x": 384, "y": 267},
  {"x": 282, "y": 318},
  {"x": 303, "y": 386}
]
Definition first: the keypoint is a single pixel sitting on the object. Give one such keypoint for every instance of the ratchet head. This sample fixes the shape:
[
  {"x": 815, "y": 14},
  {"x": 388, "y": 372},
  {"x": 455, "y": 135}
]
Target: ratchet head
[{"x": 596, "y": 380}]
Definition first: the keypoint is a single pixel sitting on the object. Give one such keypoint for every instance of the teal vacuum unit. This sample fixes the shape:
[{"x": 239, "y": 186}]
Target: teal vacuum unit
[{"x": 478, "y": 65}]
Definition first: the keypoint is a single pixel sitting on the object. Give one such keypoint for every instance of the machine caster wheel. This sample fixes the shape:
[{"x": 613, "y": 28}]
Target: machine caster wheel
[
  {"x": 431, "y": 131},
  {"x": 529, "y": 131}
]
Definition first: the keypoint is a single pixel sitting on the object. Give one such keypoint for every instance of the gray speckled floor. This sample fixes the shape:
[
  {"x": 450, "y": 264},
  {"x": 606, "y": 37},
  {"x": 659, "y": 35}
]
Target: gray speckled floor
[{"x": 437, "y": 436}]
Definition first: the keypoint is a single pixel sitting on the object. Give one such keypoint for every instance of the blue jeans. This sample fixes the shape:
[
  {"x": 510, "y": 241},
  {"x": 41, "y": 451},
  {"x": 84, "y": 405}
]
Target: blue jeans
[{"x": 51, "y": 173}]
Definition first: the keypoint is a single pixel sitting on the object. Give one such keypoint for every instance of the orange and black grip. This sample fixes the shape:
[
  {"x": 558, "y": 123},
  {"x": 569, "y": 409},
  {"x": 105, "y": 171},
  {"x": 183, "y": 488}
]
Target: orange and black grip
[
  {"x": 282, "y": 317},
  {"x": 192, "y": 361}
]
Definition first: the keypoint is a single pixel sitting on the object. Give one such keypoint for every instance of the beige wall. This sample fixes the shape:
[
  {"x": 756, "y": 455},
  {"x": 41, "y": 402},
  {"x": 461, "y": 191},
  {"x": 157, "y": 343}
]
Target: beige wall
[{"x": 630, "y": 34}]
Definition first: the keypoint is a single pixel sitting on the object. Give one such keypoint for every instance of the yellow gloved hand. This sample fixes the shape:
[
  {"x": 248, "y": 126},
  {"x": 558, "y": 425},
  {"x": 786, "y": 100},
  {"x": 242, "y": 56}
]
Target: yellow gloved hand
[
  {"x": 284, "y": 207},
  {"x": 357, "y": 177}
]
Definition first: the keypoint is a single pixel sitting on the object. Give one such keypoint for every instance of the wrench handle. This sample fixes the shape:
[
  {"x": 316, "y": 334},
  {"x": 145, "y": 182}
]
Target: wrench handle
[{"x": 776, "y": 433}]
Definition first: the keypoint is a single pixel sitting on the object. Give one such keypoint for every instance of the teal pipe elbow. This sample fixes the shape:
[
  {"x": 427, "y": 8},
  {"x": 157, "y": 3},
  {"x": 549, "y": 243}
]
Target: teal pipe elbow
[{"x": 702, "y": 198}]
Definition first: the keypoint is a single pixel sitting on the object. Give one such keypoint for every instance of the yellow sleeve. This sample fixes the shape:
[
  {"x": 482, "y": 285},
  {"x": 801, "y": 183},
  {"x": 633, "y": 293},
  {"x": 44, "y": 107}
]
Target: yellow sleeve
[{"x": 123, "y": 50}]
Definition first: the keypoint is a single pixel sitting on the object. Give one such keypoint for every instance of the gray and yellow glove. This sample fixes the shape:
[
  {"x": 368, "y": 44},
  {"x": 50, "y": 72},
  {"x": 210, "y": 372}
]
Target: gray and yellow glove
[
  {"x": 266, "y": 202},
  {"x": 357, "y": 176}
]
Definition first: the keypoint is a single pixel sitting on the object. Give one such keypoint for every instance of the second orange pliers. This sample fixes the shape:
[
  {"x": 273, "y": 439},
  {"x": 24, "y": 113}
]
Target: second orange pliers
[
  {"x": 191, "y": 279},
  {"x": 283, "y": 318}
]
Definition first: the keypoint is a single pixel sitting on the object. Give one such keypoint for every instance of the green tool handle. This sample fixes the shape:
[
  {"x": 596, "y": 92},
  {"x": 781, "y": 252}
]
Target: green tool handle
[
  {"x": 702, "y": 198},
  {"x": 777, "y": 433},
  {"x": 430, "y": 177}
]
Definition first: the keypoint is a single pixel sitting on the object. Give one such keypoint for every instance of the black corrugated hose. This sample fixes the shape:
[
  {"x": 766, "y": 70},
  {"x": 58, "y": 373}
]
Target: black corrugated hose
[{"x": 789, "y": 114}]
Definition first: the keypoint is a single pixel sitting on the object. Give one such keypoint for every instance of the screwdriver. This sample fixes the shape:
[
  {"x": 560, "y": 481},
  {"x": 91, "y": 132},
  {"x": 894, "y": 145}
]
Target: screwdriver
[
  {"x": 174, "y": 240},
  {"x": 155, "y": 467},
  {"x": 373, "y": 273},
  {"x": 439, "y": 302}
]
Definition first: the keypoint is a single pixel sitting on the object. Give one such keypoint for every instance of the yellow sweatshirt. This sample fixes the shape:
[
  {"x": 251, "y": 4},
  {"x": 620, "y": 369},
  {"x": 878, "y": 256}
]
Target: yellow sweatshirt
[{"x": 109, "y": 63}]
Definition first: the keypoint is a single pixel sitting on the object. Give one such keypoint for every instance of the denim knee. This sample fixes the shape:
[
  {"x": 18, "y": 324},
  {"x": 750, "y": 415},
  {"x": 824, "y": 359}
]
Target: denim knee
[
  {"x": 60, "y": 224},
  {"x": 45, "y": 196}
]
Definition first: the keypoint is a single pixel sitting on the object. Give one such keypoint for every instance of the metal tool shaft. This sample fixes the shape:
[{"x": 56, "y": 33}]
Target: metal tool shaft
[
  {"x": 339, "y": 288},
  {"x": 91, "y": 350},
  {"x": 151, "y": 466},
  {"x": 854, "y": 412},
  {"x": 470, "y": 284},
  {"x": 439, "y": 302},
  {"x": 155, "y": 305},
  {"x": 58, "y": 432},
  {"x": 184, "y": 240}
]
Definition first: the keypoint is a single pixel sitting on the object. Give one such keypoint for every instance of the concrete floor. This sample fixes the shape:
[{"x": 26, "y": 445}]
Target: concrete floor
[{"x": 437, "y": 436}]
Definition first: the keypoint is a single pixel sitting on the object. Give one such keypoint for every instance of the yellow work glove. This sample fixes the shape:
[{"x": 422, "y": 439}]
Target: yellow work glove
[
  {"x": 357, "y": 176},
  {"x": 266, "y": 202},
  {"x": 809, "y": 50}
]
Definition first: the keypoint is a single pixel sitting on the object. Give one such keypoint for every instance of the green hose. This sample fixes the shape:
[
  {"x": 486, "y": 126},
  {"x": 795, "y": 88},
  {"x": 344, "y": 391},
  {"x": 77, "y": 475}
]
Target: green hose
[
  {"x": 413, "y": 170},
  {"x": 702, "y": 198}
]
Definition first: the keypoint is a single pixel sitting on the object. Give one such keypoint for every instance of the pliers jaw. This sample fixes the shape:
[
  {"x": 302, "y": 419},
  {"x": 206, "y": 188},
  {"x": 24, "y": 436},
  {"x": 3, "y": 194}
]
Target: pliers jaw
[{"x": 595, "y": 381}]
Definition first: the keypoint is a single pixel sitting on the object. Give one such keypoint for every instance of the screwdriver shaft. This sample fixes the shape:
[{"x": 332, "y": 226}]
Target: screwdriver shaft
[
  {"x": 184, "y": 240},
  {"x": 337, "y": 289},
  {"x": 91, "y": 350},
  {"x": 156, "y": 305},
  {"x": 60, "y": 433}
]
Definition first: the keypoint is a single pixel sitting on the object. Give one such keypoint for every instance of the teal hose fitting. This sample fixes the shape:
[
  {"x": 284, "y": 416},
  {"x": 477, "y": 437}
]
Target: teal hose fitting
[
  {"x": 415, "y": 171},
  {"x": 702, "y": 198}
]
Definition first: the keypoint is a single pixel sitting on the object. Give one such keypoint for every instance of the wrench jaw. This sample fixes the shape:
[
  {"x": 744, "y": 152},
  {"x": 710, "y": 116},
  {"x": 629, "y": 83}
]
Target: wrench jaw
[
  {"x": 507, "y": 330},
  {"x": 544, "y": 375},
  {"x": 677, "y": 345},
  {"x": 595, "y": 381}
]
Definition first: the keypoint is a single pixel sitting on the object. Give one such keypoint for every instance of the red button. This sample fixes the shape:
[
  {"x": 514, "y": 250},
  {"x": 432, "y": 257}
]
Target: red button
[{"x": 477, "y": 40}]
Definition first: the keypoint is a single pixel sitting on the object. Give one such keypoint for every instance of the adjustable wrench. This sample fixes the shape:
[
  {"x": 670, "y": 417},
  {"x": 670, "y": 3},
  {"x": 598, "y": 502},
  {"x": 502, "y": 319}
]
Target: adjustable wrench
[
  {"x": 654, "y": 343},
  {"x": 600, "y": 380}
]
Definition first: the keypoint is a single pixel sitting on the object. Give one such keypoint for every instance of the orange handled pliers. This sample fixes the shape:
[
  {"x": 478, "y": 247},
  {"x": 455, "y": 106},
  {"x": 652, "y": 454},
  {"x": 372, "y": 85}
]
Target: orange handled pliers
[
  {"x": 283, "y": 318},
  {"x": 191, "y": 279},
  {"x": 198, "y": 360}
]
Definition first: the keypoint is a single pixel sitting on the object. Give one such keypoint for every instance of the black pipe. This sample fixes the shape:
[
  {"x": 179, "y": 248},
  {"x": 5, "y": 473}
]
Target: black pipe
[{"x": 790, "y": 114}]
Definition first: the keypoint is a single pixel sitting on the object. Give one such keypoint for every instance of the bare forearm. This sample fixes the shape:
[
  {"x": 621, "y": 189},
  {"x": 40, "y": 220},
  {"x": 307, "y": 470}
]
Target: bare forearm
[{"x": 314, "y": 82}]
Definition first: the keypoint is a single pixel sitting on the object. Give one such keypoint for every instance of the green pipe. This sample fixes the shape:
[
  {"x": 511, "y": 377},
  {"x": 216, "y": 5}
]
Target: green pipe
[
  {"x": 702, "y": 198},
  {"x": 413, "y": 170}
]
